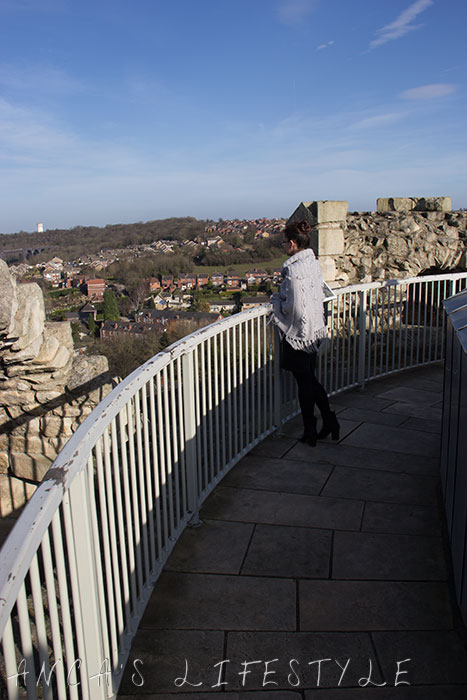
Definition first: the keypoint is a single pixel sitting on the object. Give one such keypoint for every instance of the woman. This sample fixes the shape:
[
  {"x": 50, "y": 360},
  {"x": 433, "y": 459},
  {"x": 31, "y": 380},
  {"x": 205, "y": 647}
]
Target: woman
[{"x": 299, "y": 315}]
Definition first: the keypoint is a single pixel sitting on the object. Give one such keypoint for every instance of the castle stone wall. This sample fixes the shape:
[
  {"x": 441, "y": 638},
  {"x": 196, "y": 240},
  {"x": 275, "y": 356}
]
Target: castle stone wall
[{"x": 46, "y": 389}]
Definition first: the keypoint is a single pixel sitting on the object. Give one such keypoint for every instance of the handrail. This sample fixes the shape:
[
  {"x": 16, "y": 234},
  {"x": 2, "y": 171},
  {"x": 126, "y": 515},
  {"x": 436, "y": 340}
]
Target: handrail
[{"x": 139, "y": 467}]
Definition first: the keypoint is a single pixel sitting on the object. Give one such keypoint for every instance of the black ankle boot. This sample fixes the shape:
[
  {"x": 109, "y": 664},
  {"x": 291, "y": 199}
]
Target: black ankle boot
[
  {"x": 330, "y": 425},
  {"x": 309, "y": 436}
]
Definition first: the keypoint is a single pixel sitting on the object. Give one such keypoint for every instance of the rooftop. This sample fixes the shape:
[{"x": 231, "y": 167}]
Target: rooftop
[{"x": 336, "y": 552}]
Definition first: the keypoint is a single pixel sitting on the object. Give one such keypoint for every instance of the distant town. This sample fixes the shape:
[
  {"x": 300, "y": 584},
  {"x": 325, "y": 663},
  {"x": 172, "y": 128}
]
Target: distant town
[{"x": 106, "y": 295}]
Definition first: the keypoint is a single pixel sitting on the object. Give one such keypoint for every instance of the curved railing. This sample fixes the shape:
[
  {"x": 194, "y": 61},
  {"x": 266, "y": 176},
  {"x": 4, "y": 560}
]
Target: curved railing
[{"x": 82, "y": 560}]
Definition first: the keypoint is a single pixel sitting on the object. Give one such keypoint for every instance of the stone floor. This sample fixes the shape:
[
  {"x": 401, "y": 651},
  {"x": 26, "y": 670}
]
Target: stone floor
[{"x": 318, "y": 572}]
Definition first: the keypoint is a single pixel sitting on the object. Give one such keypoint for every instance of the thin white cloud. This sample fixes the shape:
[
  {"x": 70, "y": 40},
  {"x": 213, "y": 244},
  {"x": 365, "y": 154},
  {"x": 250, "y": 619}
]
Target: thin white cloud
[
  {"x": 294, "y": 11},
  {"x": 402, "y": 24},
  {"x": 379, "y": 120},
  {"x": 325, "y": 46},
  {"x": 429, "y": 92}
]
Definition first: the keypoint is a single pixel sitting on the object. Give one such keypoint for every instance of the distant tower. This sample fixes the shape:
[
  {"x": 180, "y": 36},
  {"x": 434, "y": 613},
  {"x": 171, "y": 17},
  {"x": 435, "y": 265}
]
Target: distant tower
[{"x": 40, "y": 228}]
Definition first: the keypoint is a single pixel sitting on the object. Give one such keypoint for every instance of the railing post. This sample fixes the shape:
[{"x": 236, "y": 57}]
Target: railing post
[
  {"x": 189, "y": 420},
  {"x": 277, "y": 398},
  {"x": 97, "y": 674},
  {"x": 362, "y": 337}
]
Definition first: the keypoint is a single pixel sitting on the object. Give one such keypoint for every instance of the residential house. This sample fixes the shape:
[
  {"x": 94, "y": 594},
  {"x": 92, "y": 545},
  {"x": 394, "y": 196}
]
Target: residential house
[
  {"x": 255, "y": 276},
  {"x": 232, "y": 281},
  {"x": 252, "y": 302},
  {"x": 110, "y": 329},
  {"x": 216, "y": 241},
  {"x": 202, "y": 280},
  {"x": 95, "y": 288},
  {"x": 191, "y": 281},
  {"x": 52, "y": 276},
  {"x": 223, "y": 305},
  {"x": 55, "y": 263},
  {"x": 154, "y": 284},
  {"x": 217, "y": 279},
  {"x": 167, "y": 282},
  {"x": 86, "y": 311}
]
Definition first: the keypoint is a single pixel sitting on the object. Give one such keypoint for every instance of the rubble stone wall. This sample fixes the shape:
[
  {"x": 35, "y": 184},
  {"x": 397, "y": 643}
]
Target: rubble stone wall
[
  {"x": 401, "y": 244},
  {"x": 405, "y": 237},
  {"x": 46, "y": 389}
]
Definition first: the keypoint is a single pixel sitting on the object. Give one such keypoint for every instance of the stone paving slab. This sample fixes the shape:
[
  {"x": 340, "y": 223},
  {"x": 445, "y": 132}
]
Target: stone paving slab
[
  {"x": 289, "y": 551},
  {"x": 360, "y": 415},
  {"x": 273, "y": 447},
  {"x": 408, "y": 442},
  {"x": 438, "y": 657},
  {"x": 429, "y": 382},
  {"x": 372, "y": 485},
  {"x": 362, "y": 556},
  {"x": 207, "y": 602},
  {"x": 411, "y": 395},
  {"x": 297, "y": 655},
  {"x": 349, "y": 606},
  {"x": 157, "y": 658},
  {"x": 274, "y": 562},
  {"x": 202, "y": 549},
  {"x": 364, "y": 400},
  {"x": 404, "y": 408},
  {"x": 401, "y": 519},
  {"x": 271, "y": 508},
  {"x": 329, "y": 452},
  {"x": 426, "y": 426},
  {"x": 279, "y": 475}
]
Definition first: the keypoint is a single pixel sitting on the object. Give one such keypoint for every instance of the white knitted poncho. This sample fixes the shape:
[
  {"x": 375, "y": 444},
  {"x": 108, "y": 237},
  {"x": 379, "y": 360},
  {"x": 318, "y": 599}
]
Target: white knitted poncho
[{"x": 298, "y": 306}]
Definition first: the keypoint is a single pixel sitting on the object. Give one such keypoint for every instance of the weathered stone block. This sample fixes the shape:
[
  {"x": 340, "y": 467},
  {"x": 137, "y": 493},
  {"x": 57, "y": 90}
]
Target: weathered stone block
[
  {"x": 325, "y": 211},
  {"x": 388, "y": 204},
  {"x": 26, "y": 354},
  {"x": 4, "y": 461},
  {"x": 17, "y": 443},
  {"x": 48, "y": 349},
  {"x": 86, "y": 369},
  {"x": 34, "y": 444},
  {"x": 401, "y": 204},
  {"x": 52, "y": 446},
  {"x": 51, "y": 426},
  {"x": 28, "y": 323},
  {"x": 441, "y": 204},
  {"x": 61, "y": 331},
  {"x": 45, "y": 396},
  {"x": 14, "y": 493},
  {"x": 31, "y": 467},
  {"x": 397, "y": 247},
  {"x": 9, "y": 304},
  {"x": 328, "y": 268},
  {"x": 72, "y": 411},
  {"x": 327, "y": 239},
  {"x": 16, "y": 398}
]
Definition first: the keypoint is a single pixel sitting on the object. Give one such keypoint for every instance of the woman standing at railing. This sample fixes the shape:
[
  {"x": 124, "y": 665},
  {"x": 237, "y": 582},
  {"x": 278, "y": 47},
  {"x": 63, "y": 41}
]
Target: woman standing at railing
[{"x": 299, "y": 315}]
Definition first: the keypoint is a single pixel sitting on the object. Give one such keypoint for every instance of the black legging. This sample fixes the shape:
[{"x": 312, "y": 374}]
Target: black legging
[{"x": 310, "y": 392}]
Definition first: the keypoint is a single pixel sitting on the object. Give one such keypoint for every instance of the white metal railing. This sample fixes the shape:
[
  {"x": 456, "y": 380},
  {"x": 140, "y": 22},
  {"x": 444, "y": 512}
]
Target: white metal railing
[{"x": 82, "y": 560}]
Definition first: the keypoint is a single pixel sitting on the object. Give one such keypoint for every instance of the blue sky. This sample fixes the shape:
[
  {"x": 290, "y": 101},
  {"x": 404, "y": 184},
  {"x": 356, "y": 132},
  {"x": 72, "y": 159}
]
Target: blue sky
[{"x": 130, "y": 110}]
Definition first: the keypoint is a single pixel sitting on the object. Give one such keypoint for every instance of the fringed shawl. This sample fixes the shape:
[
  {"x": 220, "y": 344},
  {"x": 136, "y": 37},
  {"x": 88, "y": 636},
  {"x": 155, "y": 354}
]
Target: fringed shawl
[{"x": 298, "y": 306}]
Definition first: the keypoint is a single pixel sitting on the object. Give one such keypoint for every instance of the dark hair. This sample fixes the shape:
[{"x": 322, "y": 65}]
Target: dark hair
[{"x": 298, "y": 231}]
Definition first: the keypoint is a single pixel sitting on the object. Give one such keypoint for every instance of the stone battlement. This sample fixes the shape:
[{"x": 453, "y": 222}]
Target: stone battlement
[{"x": 406, "y": 236}]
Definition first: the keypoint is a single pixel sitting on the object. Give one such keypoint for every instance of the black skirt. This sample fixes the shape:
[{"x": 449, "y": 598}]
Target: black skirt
[{"x": 296, "y": 360}]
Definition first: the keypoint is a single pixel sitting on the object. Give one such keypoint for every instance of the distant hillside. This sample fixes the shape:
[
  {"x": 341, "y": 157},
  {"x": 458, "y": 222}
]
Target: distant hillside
[{"x": 69, "y": 244}]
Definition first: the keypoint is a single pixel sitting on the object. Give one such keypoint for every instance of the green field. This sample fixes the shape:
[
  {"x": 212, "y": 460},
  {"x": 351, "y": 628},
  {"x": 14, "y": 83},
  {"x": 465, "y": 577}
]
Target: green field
[{"x": 241, "y": 268}]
